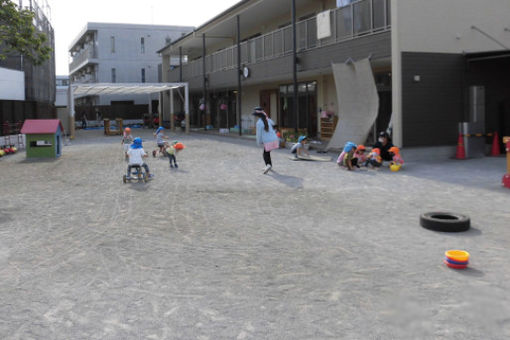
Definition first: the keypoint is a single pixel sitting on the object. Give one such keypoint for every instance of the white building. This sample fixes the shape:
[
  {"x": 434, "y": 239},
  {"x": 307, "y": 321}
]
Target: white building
[{"x": 119, "y": 53}]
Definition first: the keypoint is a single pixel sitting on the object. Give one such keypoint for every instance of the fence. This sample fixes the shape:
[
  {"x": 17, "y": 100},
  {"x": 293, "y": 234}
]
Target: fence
[{"x": 359, "y": 18}]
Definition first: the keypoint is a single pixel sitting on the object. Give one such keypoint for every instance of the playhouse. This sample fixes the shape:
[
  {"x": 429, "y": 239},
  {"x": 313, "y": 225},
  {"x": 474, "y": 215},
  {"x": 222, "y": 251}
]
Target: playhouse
[{"x": 43, "y": 138}]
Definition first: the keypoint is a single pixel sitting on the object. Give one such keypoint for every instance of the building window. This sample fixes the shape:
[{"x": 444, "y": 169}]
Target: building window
[
  {"x": 142, "y": 45},
  {"x": 114, "y": 75},
  {"x": 143, "y": 75},
  {"x": 112, "y": 43}
]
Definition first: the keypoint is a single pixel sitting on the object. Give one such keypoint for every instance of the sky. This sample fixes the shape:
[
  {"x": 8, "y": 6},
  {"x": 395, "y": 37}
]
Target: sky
[{"x": 68, "y": 17}]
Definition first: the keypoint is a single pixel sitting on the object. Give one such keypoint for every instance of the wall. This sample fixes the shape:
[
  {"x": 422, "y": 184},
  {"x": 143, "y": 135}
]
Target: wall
[
  {"x": 432, "y": 107},
  {"x": 41, "y": 152},
  {"x": 445, "y": 26},
  {"x": 12, "y": 84}
]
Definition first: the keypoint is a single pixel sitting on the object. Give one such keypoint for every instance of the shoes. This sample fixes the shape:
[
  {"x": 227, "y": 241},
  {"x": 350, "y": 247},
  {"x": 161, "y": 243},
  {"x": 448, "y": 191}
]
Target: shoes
[
  {"x": 154, "y": 153},
  {"x": 171, "y": 165},
  {"x": 267, "y": 168},
  {"x": 176, "y": 165},
  {"x": 150, "y": 176},
  {"x": 128, "y": 177}
]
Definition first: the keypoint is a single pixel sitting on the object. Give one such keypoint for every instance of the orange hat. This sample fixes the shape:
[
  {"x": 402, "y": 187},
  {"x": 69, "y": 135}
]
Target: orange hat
[
  {"x": 377, "y": 151},
  {"x": 127, "y": 129},
  {"x": 179, "y": 146},
  {"x": 360, "y": 148},
  {"x": 394, "y": 149}
]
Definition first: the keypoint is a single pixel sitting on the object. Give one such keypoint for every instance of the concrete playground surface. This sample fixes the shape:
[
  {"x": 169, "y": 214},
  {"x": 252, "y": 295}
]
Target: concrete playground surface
[{"x": 217, "y": 250}]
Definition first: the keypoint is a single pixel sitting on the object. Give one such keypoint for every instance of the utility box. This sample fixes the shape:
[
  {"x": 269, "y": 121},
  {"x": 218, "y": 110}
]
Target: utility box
[
  {"x": 43, "y": 138},
  {"x": 473, "y": 130}
]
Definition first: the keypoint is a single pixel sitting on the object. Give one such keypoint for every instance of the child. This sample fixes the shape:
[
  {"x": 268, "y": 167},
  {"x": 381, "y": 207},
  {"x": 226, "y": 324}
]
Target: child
[
  {"x": 349, "y": 161},
  {"x": 160, "y": 137},
  {"x": 359, "y": 156},
  {"x": 127, "y": 139},
  {"x": 136, "y": 155},
  {"x": 171, "y": 150},
  {"x": 395, "y": 154},
  {"x": 374, "y": 158},
  {"x": 299, "y": 148},
  {"x": 347, "y": 147}
]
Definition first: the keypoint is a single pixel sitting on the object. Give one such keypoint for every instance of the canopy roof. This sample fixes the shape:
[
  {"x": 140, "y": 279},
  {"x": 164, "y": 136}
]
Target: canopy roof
[
  {"x": 41, "y": 126},
  {"x": 93, "y": 89}
]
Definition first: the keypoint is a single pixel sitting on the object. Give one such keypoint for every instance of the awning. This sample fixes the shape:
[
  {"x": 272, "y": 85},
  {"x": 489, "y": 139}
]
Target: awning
[
  {"x": 482, "y": 56},
  {"x": 122, "y": 88}
]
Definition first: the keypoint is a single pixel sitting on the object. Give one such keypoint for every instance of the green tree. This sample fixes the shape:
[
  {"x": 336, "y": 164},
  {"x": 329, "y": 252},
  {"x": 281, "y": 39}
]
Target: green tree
[{"x": 19, "y": 36}]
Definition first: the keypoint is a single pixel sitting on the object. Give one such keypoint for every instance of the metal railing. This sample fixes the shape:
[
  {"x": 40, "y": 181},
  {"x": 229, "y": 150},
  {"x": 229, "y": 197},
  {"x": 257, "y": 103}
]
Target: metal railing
[
  {"x": 359, "y": 18},
  {"x": 88, "y": 52}
]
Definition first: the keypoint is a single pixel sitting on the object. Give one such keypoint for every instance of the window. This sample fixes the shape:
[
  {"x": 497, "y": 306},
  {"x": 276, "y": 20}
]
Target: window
[
  {"x": 114, "y": 75},
  {"x": 112, "y": 43},
  {"x": 142, "y": 45},
  {"x": 143, "y": 75}
]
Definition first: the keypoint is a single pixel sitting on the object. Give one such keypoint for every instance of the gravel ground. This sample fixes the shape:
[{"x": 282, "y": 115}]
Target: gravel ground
[{"x": 217, "y": 250}]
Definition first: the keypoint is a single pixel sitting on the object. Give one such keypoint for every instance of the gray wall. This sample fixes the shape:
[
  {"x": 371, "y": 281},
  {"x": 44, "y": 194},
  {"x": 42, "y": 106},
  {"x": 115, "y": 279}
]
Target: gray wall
[{"x": 433, "y": 107}]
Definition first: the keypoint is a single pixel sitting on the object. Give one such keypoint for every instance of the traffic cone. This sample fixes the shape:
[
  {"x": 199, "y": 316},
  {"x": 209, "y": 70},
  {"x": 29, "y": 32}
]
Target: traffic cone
[
  {"x": 461, "y": 152},
  {"x": 495, "y": 151}
]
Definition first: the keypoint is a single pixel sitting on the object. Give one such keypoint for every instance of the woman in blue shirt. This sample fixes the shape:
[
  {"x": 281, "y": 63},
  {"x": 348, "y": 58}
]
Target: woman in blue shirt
[{"x": 266, "y": 136}]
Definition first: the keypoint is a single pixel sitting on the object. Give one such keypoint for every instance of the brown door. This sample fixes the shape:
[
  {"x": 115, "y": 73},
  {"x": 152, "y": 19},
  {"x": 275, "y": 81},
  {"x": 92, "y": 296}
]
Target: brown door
[{"x": 265, "y": 101}]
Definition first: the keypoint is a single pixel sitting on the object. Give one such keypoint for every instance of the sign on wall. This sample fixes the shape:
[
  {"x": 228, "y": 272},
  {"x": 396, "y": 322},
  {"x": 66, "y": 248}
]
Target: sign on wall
[{"x": 323, "y": 25}]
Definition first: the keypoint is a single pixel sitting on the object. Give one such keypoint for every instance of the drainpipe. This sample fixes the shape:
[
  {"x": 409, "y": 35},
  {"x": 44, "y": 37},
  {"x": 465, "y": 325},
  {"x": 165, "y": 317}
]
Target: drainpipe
[
  {"x": 204, "y": 78},
  {"x": 239, "y": 88},
  {"x": 295, "y": 108}
]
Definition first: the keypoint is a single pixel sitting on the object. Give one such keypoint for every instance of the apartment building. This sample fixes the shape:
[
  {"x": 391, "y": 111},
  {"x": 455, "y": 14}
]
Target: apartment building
[
  {"x": 119, "y": 53},
  {"x": 28, "y": 90},
  {"x": 426, "y": 57}
]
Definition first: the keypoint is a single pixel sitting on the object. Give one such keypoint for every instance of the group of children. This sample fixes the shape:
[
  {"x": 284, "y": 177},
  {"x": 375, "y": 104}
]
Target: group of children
[
  {"x": 354, "y": 156},
  {"x": 134, "y": 152}
]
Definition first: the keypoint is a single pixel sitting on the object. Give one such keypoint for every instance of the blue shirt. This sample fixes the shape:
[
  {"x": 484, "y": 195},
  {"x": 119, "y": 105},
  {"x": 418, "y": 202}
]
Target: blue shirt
[{"x": 264, "y": 136}]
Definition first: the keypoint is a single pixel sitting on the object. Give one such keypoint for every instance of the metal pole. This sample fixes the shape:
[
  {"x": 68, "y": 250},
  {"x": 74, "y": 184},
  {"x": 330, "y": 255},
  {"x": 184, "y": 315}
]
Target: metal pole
[
  {"x": 180, "y": 64},
  {"x": 186, "y": 106},
  {"x": 172, "y": 120},
  {"x": 239, "y": 85},
  {"x": 295, "y": 107},
  {"x": 204, "y": 78},
  {"x": 71, "y": 109}
]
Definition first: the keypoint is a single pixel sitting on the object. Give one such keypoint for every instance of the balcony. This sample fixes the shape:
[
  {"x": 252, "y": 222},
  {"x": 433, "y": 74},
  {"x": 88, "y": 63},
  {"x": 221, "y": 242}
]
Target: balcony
[
  {"x": 358, "y": 19},
  {"x": 89, "y": 52}
]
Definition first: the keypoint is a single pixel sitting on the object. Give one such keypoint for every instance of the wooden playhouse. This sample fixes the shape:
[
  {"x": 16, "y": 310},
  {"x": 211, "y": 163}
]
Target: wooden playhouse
[{"x": 43, "y": 138}]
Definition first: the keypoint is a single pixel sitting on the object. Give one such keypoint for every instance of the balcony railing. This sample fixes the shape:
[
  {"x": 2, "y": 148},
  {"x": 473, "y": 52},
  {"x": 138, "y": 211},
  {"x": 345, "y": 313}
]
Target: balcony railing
[
  {"x": 359, "y": 18},
  {"x": 85, "y": 54}
]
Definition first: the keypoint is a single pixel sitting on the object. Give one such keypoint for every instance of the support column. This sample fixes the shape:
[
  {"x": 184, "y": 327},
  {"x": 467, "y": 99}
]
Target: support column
[
  {"x": 160, "y": 109},
  {"x": 180, "y": 64},
  {"x": 150, "y": 104},
  {"x": 71, "y": 111},
  {"x": 204, "y": 94},
  {"x": 396, "y": 79},
  {"x": 186, "y": 106},
  {"x": 172, "y": 121},
  {"x": 239, "y": 72},
  {"x": 295, "y": 106}
]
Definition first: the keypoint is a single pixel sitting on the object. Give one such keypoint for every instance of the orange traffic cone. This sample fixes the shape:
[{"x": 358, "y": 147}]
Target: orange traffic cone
[
  {"x": 461, "y": 152},
  {"x": 495, "y": 151}
]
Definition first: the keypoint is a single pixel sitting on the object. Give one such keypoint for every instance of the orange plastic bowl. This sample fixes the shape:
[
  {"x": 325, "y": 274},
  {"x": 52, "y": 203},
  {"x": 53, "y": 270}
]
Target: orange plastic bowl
[{"x": 457, "y": 255}]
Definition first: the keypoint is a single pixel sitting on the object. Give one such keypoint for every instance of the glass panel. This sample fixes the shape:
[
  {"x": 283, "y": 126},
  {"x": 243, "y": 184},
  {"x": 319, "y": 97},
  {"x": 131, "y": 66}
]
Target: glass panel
[
  {"x": 283, "y": 89},
  {"x": 301, "y": 35},
  {"x": 258, "y": 49},
  {"x": 361, "y": 16},
  {"x": 278, "y": 42},
  {"x": 287, "y": 35},
  {"x": 302, "y": 88},
  {"x": 388, "y": 13},
  {"x": 343, "y": 22},
  {"x": 378, "y": 8},
  {"x": 312, "y": 86},
  {"x": 268, "y": 46},
  {"x": 311, "y": 27}
]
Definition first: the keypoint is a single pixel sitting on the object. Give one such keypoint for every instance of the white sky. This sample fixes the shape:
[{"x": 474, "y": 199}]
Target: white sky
[{"x": 68, "y": 17}]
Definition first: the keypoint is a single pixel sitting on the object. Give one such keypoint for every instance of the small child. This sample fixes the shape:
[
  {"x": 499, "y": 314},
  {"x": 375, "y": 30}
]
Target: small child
[
  {"x": 359, "y": 156},
  {"x": 374, "y": 158},
  {"x": 160, "y": 140},
  {"x": 127, "y": 139},
  {"x": 347, "y": 147},
  {"x": 299, "y": 148},
  {"x": 171, "y": 150},
  {"x": 136, "y": 155},
  {"x": 395, "y": 154}
]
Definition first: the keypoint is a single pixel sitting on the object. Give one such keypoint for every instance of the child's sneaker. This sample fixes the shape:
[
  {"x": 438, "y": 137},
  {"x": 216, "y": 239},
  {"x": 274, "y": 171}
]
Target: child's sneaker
[
  {"x": 150, "y": 176},
  {"x": 267, "y": 168},
  {"x": 176, "y": 165},
  {"x": 153, "y": 153},
  {"x": 171, "y": 165}
]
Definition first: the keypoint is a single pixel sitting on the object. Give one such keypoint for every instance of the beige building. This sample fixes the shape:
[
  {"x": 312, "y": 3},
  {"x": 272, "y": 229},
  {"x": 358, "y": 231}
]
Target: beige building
[{"x": 426, "y": 59}]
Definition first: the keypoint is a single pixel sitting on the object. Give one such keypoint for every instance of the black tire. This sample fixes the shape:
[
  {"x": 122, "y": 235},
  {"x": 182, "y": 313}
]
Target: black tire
[{"x": 445, "y": 221}]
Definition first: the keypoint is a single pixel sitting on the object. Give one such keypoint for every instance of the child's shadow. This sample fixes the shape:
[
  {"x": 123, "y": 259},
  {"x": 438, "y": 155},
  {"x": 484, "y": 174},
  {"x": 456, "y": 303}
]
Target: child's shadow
[
  {"x": 290, "y": 181},
  {"x": 138, "y": 186}
]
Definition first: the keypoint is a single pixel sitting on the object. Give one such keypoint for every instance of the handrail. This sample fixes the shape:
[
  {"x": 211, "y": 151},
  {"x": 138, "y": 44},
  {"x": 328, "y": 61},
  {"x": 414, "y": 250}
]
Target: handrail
[{"x": 359, "y": 18}]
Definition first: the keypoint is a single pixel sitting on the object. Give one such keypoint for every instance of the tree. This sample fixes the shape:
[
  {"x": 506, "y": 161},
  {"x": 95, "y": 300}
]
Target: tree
[{"x": 18, "y": 34}]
